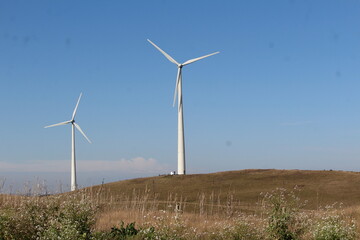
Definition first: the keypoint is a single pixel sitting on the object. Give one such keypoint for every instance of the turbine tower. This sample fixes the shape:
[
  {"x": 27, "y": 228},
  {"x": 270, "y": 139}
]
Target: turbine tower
[
  {"x": 178, "y": 92},
  {"x": 73, "y": 126}
]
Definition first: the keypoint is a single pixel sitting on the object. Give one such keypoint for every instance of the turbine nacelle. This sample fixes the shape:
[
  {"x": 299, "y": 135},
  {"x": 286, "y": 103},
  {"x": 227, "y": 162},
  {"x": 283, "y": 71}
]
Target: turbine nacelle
[
  {"x": 72, "y": 121},
  {"x": 180, "y": 66}
]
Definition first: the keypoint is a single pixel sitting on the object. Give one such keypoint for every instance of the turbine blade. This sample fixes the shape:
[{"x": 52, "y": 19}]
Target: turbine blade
[
  {"x": 165, "y": 54},
  {"x": 197, "y": 59},
  {"x": 180, "y": 102},
  {"x": 76, "y": 107},
  {"x": 177, "y": 85},
  {"x": 79, "y": 128},
  {"x": 180, "y": 94},
  {"x": 58, "y": 124}
]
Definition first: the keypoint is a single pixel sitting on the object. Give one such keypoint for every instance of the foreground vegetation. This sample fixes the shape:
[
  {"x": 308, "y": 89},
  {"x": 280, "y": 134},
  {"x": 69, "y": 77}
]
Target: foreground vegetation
[{"x": 280, "y": 214}]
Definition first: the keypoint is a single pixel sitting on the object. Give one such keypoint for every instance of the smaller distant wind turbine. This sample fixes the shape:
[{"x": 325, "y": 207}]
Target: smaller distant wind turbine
[
  {"x": 73, "y": 126},
  {"x": 178, "y": 92}
]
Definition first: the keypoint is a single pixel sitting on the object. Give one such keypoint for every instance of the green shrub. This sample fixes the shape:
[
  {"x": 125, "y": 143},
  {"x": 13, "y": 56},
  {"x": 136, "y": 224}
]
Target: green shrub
[
  {"x": 122, "y": 232},
  {"x": 334, "y": 227},
  {"x": 119, "y": 233},
  {"x": 27, "y": 221},
  {"x": 284, "y": 219},
  {"x": 243, "y": 231},
  {"x": 48, "y": 218},
  {"x": 148, "y": 233}
]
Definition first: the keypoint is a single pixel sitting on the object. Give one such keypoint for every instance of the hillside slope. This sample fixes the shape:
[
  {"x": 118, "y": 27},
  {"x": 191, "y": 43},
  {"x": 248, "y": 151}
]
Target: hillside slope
[{"x": 320, "y": 188}]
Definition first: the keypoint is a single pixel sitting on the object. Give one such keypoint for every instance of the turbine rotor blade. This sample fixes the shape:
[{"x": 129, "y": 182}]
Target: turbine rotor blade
[
  {"x": 180, "y": 93},
  {"x": 165, "y": 54},
  {"x": 177, "y": 85},
  {"x": 76, "y": 107},
  {"x": 79, "y": 128},
  {"x": 199, "y": 58},
  {"x": 58, "y": 124}
]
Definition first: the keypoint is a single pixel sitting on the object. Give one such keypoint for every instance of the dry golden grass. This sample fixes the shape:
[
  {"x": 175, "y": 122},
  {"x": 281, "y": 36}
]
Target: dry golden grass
[
  {"x": 206, "y": 201},
  {"x": 354, "y": 213},
  {"x": 320, "y": 188},
  {"x": 201, "y": 223},
  {"x": 11, "y": 200}
]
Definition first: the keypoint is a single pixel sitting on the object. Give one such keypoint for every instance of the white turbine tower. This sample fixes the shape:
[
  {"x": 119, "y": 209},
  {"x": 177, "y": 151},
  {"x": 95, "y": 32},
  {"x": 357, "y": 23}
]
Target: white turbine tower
[
  {"x": 73, "y": 126},
  {"x": 178, "y": 92}
]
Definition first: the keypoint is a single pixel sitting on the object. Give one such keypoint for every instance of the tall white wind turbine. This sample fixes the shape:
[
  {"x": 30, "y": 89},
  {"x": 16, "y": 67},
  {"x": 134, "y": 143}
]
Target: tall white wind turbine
[
  {"x": 73, "y": 126},
  {"x": 178, "y": 92}
]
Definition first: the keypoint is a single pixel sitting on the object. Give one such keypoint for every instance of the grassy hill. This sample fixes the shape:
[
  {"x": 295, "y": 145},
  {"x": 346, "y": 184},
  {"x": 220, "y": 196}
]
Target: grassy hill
[
  {"x": 320, "y": 188},
  {"x": 219, "y": 205}
]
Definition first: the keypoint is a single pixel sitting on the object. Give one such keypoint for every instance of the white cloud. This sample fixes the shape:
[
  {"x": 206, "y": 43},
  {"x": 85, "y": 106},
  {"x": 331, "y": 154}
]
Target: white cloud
[{"x": 135, "y": 165}]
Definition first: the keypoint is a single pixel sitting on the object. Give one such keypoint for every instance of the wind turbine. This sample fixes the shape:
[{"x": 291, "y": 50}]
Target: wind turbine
[
  {"x": 178, "y": 92},
  {"x": 73, "y": 126}
]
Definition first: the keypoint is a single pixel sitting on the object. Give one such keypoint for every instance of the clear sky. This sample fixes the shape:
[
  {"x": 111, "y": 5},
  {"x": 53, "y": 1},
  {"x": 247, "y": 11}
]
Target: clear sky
[{"x": 283, "y": 92}]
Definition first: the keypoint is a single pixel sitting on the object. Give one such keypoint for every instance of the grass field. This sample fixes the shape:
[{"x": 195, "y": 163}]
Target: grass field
[
  {"x": 223, "y": 205},
  {"x": 320, "y": 188},
  {"x": 220, "y": 197}
]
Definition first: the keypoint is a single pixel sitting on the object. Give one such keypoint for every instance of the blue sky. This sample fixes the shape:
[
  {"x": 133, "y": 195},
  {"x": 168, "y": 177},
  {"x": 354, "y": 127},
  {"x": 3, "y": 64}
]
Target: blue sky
[{"x": 283, "y": 92}]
